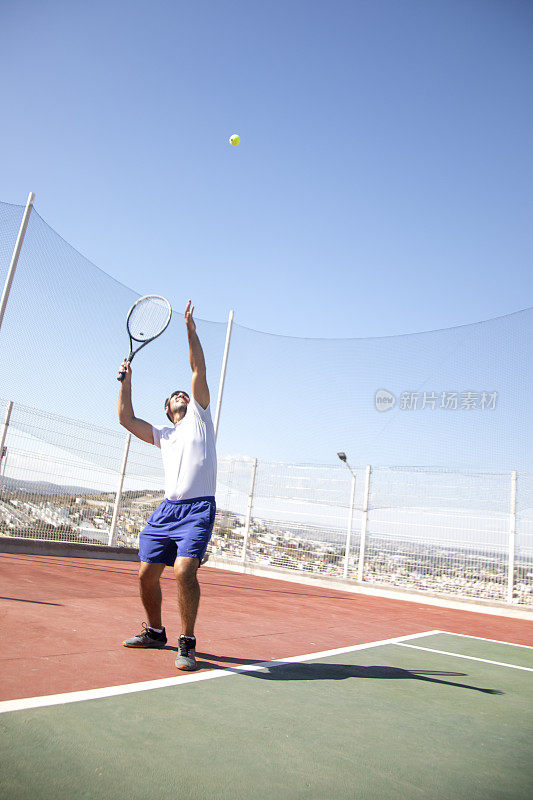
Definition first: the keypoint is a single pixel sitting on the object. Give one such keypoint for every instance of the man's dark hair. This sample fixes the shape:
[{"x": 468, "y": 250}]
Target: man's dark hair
[{"x": 167, "y": 401}]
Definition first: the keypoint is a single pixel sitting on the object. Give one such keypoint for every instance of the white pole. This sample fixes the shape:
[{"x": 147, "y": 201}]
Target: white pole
[
  {"x": 349, "y": 531},
  {"x": 249, "y": 513},
  {"x": 6, "y": 426},
  {"x": 15, "y": 256},
  {"x": 364, "y": 521},
  {"x": 3, "y": 438},
  {"x": 111, "y": 538},
  {"x": 223, "y": 372},
  {"x": 512, "y": 539},
  {"x": 3, "y": 471}
]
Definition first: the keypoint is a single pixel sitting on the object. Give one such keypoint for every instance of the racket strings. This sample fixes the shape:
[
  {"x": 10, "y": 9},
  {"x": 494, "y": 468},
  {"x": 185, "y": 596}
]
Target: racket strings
[{"x": 148, "y": 318}]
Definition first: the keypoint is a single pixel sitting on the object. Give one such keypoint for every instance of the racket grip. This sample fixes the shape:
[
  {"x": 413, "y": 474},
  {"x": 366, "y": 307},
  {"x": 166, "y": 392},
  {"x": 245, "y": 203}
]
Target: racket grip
[{"x": 122, "y": 375}]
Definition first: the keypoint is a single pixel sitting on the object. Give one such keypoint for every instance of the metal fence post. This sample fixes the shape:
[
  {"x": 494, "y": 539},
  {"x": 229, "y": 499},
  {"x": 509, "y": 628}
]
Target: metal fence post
[
  {"x": 249, "y": 513},
  {"x": 111, "y": 539},
  {"x": 512, "y": 539},
  {"x": 3, "y": 449},
  {"x": 349, "y": 531},
  {"x": 223, "y": 373},
  {"x": 15, "y": 256},
  {"x": 5, "y": 426},
  {"x": 364, "y": 521}
]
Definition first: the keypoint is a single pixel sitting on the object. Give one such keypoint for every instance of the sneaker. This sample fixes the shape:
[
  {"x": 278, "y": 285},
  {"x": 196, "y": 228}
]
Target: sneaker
[
  {"x": 148, "y": 638},
  {"x": 186, "y": 653}
]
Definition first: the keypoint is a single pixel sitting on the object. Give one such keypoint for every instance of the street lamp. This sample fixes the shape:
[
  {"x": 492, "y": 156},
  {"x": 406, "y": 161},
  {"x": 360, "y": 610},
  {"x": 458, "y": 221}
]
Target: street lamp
[{"x": 343, "y": 458}]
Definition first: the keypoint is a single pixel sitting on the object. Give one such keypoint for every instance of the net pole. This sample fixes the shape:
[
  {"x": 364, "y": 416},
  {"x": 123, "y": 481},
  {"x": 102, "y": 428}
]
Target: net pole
[
  {"x": 249, "y": 512},
  {"x": 112, "y": 529},
  {"x": 3, "y": 471},
  {"x": 364, "y": 522},
  {"x": 3, "y": 449},
  {"x": 512, "y": 539},
  {"x": 223, "y": 373},
  {"x": 349, "y": 531},
  {"x": 5, "y": 426},
  {"x": 15, "y": 256}
]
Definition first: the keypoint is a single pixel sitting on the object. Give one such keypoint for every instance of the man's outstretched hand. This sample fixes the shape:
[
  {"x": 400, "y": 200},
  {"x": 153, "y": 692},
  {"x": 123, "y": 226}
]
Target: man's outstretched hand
[
  {"x": 125, "y": 370},
  {"x": 189, "y": 321},
  {"x": 200, "y": 390}
]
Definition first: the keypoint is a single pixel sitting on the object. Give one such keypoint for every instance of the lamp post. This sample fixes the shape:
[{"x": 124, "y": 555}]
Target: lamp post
[{"x": 343, "y": 458}]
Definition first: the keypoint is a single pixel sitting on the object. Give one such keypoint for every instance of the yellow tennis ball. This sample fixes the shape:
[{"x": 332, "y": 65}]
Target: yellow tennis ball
[{"x": 235, "y": 139}]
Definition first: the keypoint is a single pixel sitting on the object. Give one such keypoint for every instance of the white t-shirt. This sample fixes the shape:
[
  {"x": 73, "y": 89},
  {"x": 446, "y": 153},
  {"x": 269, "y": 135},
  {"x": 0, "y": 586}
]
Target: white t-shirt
[{"x": 189, "y": 456}]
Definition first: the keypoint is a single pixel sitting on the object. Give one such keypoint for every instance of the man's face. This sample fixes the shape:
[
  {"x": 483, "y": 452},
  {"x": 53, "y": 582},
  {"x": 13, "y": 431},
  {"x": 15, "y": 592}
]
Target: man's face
[{"x": 178, "y": 403}]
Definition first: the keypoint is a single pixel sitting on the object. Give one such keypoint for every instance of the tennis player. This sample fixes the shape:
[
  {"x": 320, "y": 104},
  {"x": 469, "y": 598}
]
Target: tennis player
[{"x": 177, "y": 533}]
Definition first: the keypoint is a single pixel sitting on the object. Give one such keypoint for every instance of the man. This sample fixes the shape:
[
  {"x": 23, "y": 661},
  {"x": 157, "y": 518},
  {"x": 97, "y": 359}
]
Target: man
[{"x": 177, "y": 533}]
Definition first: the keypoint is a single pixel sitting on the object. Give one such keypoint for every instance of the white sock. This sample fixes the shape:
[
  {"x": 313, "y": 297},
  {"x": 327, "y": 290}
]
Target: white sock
[{"x": 157, "y": 630}]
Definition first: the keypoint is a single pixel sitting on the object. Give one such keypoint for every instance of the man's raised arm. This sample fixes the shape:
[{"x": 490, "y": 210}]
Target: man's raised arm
[
  {"x": 200, "y": 389},
  {"x": 139, "y": 427}
]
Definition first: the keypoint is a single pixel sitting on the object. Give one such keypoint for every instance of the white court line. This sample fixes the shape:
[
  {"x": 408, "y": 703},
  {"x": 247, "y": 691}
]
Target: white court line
[
  {"x": 483, "y": 639},
  {"x": 143, "y": 686},
  {"x": 468, "y": 658}
]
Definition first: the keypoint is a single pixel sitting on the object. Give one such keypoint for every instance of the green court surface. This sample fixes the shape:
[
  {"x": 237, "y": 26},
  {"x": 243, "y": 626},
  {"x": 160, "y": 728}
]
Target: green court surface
[{"x": 392, "y": 721}]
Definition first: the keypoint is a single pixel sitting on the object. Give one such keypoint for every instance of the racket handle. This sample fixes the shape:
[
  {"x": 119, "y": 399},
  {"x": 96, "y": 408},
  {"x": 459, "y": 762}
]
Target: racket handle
[
  {"x": 122, "y": 375},
  {"x": 128, "y": 360}
]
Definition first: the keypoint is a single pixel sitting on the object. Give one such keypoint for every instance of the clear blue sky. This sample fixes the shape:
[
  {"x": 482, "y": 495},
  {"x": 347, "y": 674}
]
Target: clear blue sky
[{"x": 384, "y": 180}]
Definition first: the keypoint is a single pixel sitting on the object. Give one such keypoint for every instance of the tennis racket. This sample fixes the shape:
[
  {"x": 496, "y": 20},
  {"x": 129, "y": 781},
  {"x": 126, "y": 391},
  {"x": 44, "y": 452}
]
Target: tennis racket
[{"x": 147, "y": 319}]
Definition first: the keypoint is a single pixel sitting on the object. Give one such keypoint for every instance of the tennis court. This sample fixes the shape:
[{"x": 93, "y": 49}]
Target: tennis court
[{"x": 303, "y": 692}]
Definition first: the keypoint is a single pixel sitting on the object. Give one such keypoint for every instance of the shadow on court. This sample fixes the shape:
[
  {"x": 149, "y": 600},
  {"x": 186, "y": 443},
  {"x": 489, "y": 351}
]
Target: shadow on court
[
  {"x": 339, "y": 672},
  {"x": 35, "y": 602},
  {"x": 337, "y": 597}
]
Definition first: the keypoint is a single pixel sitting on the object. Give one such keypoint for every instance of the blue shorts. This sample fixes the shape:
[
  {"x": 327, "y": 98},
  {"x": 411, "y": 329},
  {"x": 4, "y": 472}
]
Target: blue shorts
[{"x": 177, "y": 528}]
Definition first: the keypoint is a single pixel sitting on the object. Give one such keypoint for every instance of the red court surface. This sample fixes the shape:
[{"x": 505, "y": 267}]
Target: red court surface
[{"x": 64, "y": 620}]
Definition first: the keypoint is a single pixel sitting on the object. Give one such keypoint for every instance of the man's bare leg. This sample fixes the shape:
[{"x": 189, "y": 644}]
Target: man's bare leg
[
  {"x": 150, "y": 590},
  {"x": 185, "y": 570}
]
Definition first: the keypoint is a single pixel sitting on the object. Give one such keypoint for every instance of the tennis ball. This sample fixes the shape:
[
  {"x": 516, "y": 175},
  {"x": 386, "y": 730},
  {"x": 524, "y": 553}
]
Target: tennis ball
[{"x": 234, "y": 139}]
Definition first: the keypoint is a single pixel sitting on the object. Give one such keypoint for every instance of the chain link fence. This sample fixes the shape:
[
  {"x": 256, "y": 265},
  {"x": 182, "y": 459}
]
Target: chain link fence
[{"x": 463, "y": 534}]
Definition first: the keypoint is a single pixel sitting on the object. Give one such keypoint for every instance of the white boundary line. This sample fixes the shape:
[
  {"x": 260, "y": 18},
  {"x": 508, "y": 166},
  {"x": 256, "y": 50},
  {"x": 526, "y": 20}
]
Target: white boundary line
[
  {"x": 143, "y": 686},
  {"x": 483, "y": 639},
  {"x": 468, "y": 658}
]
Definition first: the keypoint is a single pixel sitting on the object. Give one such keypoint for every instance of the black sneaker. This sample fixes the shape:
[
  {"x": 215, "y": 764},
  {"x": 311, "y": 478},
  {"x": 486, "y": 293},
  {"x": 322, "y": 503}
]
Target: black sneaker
[
  {"x": 148, "y": 638},
  {"x": 186, "y": 653}
]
